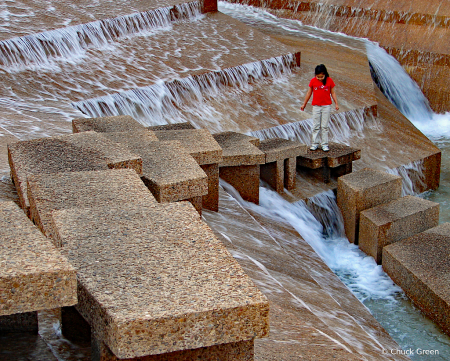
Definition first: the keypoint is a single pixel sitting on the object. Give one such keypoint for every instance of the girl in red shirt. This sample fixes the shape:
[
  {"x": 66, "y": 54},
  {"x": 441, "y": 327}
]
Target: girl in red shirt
[{"x": 321, "y": 87}]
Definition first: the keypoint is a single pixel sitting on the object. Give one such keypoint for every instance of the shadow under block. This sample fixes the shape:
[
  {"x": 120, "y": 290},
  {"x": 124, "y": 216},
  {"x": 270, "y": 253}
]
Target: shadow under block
[
  {"x": 34, "y": 275},
  {"x": 273, "y": 174},
  {"x": 155, "y": 279},
  {"x": 201, "y": 145},
  {"x": 74, "y": 327},
  {"x": 119, "y": 123},
  {"x": 391, "y": 222},
  {"x": 85, "y": 151},
  {"x": 104, "y": 188},
  {"x": 169, "y": 171},
  {"x": 362, "y": 190},
  {"x": 235, "y": 351},
  {"x": 19, "y": 322},
  {"x": 419, "y": 265}
]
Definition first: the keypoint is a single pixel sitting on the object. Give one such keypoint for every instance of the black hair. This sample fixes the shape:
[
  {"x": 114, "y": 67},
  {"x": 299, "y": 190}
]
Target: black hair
[{"x": 322, "y": 69}]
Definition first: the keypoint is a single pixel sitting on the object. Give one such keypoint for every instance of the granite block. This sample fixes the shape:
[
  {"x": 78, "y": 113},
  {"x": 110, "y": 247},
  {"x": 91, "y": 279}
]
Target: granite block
[
  {"x": 19, "y": 322},
  {"x": 104, "y": 188},
  {"x": 290, "y": 173},
  {"x": 197, "y": 203},
  {"x": 48, "y": 155},
  {"x": 391, "y": 222},
  {"x": 155, "y": 279},
  {"x": 239, "y": 149},
  {"x": 281, "y": 149},
  {"x": 199, "y": 143},
  {"x": 419, "y": 265},
  {"x": 273, "y": 174},
  {"x": 235, "y": 351},
  {"x": 33, "y": 274},
  {"x": 174, "y": 126},
  {"x": 245, "y": 179},
  {"x": 362, "y": 190},
  {"x": 169, "y": 171},
  {"x": 211, "y": 200},
  {"x": 119, "y": 123},
  {"x": 338, "y": 155}
]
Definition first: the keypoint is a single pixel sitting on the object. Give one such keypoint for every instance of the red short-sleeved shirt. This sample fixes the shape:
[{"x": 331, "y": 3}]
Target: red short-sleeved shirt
[{"x": 321, "y": 93}]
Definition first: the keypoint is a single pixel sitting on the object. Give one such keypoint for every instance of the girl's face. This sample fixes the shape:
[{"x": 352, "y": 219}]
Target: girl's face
[{"x": 320, "y": 76}]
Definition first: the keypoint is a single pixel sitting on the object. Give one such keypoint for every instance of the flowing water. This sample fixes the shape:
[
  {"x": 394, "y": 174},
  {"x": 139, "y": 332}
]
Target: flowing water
[{"x": 57, "y": 75}]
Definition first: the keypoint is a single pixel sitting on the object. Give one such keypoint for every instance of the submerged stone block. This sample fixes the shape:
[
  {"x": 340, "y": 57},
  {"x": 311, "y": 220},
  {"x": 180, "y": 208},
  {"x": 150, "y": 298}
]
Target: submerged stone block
[
  {"x": 235, "y": 351},
  {"x": 362, "y": 190},
  {"x": 169, "y": 171},
  {"x": 155, "y": 279},
  {"x": 119, "y": 123},
  {"x": 391, "y": 222},
  {"x": 105, "y": 188},
  {"x": 34, "y": 275},
  {"x": 419, "y": 265}
]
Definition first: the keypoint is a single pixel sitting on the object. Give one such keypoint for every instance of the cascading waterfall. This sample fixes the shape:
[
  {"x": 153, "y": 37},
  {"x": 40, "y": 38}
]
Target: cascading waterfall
[
  {"x": 412, "y": 177},
  {"x": 160, "y": 103},
  {"x": 73, "y": 40}
]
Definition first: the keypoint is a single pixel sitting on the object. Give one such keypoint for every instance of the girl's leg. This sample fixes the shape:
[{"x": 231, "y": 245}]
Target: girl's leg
[
  {"x": 316, "y": 126},
  {"x": 326, "y": 110}
]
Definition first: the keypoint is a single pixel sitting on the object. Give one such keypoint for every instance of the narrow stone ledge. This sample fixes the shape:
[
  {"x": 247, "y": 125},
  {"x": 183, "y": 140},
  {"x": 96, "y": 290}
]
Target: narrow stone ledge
[
  {"x": 419, "y": 265},
  {"x": 34, "y": 275},
  {"x": 174, "y": 126},
  {"x": 120, "y": 123},
  {"x": 362, "y": 190},
  {"x": 391, "y": 222},
  {"x": 155, "y": 280},
  {"x": 104, "y": 189}
]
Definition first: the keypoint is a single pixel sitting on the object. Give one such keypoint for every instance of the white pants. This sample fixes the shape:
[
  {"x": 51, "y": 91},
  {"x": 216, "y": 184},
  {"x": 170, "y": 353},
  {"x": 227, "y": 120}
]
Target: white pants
[{"x": 321, "y": 116}]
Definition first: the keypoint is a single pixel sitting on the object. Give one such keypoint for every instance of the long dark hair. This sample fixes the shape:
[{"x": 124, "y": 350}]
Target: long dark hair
[{"x": 322, "y": 69}]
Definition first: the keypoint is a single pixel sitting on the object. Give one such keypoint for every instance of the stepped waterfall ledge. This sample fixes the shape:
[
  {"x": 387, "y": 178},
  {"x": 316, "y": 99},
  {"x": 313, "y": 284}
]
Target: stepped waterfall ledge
[{"x": 160, "y": 198}]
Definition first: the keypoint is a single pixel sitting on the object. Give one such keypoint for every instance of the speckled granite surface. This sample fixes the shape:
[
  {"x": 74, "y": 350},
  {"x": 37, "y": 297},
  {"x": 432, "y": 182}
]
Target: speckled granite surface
[
  {"x": 420, "y": 266},
  {"x": 391, "y": 222},
  {"x": 239, "y": 149},
  {"x": 155, "y": 279},
  {"x": 280, "y": 149},
  {"x": 49, "y": 192},
  {"x": 199, "y": 143},
  {"x": 33, "y": 274},
  {"x": 362, "y": 190},
  {"x": 338, "y": 154},
  {"x": 211, "y": 200},
  {"x": 174, "y": 126},
  {"x": 169, "y": 171},
  {"x": 120, "y": 123},
  {"x": 245, "y": 179},
  {"x": 273, "y": 174}
]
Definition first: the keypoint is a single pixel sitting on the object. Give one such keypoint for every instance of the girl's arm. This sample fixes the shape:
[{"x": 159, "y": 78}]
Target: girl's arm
[
  {"x": 333, "y": 95},
  {"x": 307, "y": 97}
]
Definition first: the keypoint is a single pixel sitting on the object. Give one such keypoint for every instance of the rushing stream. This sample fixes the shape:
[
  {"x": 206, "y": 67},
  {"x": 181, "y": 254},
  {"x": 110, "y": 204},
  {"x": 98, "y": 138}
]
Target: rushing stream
[{"x": 405, "y": 323}]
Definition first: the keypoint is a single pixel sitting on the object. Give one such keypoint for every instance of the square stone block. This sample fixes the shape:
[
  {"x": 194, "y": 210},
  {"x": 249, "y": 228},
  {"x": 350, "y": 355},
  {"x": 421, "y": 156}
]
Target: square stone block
[
  {"x": 391, "y": 222},
  {"x": 155, "y": 279},
  {"x": 281, "y": 149},
  {"x": 199, "y": 143},
  {"x": 239, "y": 149},
  {"x": 362, "y": 190},
  {"x": 34, "y": 275},
  {"x": 419, "y": 265},
  {"x": 119, "y": 123},
  {"x": 105, "y": 188},
  {"x": 245, "y": 179},
  {"x": 169, "y": 171}
]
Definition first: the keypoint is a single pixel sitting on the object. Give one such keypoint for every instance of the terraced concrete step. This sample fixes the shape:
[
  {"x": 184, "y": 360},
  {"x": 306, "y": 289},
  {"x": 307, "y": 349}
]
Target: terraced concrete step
[
  {"x": 158, "y": 271},
  {"x": 33, "y": 274}
]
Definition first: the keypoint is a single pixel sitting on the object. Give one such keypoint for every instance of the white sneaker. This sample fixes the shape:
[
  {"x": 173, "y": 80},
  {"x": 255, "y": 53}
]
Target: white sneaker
[
  {"x": 325, "y": 148},
  {"x": 314, "y": 147}
]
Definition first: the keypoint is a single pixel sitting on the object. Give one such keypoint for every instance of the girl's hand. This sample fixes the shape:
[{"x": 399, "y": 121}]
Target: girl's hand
[
  {"x": 302, "y": 108},
  {"x": 337, "y": 107}
]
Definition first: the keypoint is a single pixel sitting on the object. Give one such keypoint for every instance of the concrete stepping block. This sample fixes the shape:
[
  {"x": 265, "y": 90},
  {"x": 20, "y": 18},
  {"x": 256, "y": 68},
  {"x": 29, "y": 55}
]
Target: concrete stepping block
[
  {"x": 420, "y": 266},
  {"x": 155, "y": 279},
  {"x": 169, "y": 171},
  {"x": 206, "y": 151},
  {"x": 240, "y": 164},
  {"x": 362, "y": 190},
  {"x": 33, "y": 274},
  {"x": 391, "y": 222},
  {"x": 338, "y": 160},
  {"x": 174, "y": 126},
  {"x": 119, "y": 123},
  {"x": 280, "y": 168},
  {"x": 68, "y": 153},
  {"x": 104, "y": 188}
]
